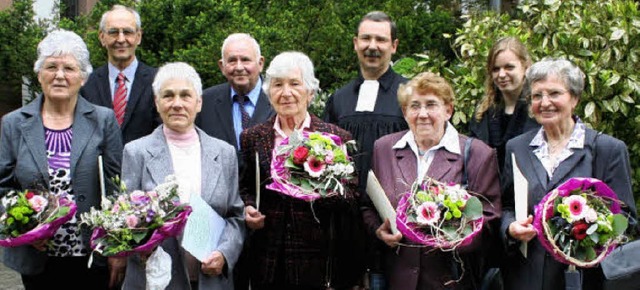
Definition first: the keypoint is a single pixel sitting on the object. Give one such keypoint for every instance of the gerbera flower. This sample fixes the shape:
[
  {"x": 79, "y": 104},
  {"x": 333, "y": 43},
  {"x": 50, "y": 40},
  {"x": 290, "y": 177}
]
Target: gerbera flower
[
  {"x": 315, "y": 167},
  {"x": 428, "y": 213},
  {"x": 576, "y": 205}
]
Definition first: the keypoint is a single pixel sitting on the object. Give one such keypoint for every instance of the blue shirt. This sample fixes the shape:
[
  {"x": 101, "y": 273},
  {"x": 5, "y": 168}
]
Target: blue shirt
[{"x": 250, "y": 107}]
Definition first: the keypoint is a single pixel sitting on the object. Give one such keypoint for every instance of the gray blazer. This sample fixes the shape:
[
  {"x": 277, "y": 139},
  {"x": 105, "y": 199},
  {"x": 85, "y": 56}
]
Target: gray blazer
[
  {"x": 23, "y": 163},
  {"x": 146, "y": 163},
  {"x": 611, "y": 160}
]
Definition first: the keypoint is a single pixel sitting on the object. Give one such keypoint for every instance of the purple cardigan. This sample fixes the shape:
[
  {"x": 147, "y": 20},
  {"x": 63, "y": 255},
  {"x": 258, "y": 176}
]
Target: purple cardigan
[{"x": 425, "y": 267}]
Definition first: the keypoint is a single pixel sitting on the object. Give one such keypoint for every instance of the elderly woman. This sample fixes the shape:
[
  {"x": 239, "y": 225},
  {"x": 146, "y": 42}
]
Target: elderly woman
[
  {"x": 503, "y": 111},
  {"x": 289, "y": 248},
  {"x": 54, "y": 143},
  {"x": 432, "y": 148},
  {"x": 205, "y": 167},
  {"x": 563, "y": 148}
]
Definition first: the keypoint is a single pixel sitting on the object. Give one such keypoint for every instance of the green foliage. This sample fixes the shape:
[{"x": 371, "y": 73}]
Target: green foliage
[
  {"x": 19, "y": 35},
  {"x": 598, "y": 36}
]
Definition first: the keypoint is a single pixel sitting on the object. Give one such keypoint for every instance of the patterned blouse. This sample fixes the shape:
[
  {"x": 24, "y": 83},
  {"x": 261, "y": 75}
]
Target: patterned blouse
[{"x": 67, "y": 241}]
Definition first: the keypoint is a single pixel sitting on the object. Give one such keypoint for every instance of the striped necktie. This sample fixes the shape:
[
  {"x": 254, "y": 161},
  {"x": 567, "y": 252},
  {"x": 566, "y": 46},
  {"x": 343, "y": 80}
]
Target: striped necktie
[{"x": 120, "y": 99}]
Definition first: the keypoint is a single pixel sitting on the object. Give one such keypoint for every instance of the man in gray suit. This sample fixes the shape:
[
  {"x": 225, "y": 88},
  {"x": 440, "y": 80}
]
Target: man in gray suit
[
  {"x": 222, "y": 106},
  {"x": 121, "y": 33}
]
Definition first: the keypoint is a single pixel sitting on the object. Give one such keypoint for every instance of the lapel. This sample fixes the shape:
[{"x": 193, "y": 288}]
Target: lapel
[
  {"x": 263, "y": 110},
  {"x": 103, "y": 88},
  {"x": 33, "y": 134},
  {"x": 140, "y": 83},
  {"x": 211, "y": 166},
  {"x": 406, "y": 164},
  {"x": 223, "y": 107},
  {"x": 159, "y": 164},
  {"x": 84, "y": 127},
  {"x": 442, "y": 163}
]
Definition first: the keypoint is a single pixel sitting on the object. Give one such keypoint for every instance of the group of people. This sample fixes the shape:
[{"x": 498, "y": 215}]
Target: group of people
[{"x": 147, "y": 123}]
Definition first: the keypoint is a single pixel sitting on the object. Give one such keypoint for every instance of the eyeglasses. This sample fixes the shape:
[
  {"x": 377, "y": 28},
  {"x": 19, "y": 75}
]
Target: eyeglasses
[
  {"x": 430, "y": 107},
  {"x": 552, "y": 95},
  {"x": 115, "y": 32}
]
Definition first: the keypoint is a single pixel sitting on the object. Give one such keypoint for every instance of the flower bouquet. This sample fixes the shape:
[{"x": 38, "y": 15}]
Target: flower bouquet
[
  {"x": 137, "y": 221},
  {"x": 580, "y": 222},
  {"x": 439, "y": 215},
  {"x": 31, "y": 215},
  {"x": 309, "y": 166}
]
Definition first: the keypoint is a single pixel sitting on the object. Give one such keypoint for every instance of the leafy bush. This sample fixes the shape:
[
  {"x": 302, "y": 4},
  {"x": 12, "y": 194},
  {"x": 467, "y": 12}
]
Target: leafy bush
[{"x": 599, "y": 36}]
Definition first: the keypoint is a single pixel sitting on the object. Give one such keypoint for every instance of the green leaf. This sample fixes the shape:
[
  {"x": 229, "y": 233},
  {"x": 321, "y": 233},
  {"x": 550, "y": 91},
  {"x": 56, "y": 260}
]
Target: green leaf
[
  {"x": 473, "y": 209},
  {"x": 619, "y": 224},
  {"x": 590, "y": 254},
  {"x": 589, "y": 109},
  {"x": 616, "y": 34},
  {"x": 138, "y": 236}
]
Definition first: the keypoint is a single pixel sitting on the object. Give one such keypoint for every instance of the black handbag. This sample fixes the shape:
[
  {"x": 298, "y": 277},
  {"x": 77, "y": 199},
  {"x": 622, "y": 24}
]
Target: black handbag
[{"x": 622, "y": 267}]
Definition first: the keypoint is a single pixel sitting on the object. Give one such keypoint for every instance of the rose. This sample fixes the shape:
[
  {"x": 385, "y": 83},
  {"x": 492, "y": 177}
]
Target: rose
[
  {"x": 300, "y": 155},
  {"x": 132, "y": 221},
  {"x": 38, "y": 203},
  {"x": 579, "y": 230},
  {"x": 29, "y": 195}
]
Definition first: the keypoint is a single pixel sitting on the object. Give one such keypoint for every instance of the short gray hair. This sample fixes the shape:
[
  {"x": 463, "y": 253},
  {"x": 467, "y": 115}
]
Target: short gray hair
[
  {"x": 284, "y": 63},
  {"x": 564, "y": 70},
  {"x": 63, "y": 42},
  {"x": 240, "y": 37},
  {"x": 103, "y": 20},
  {"x": 177, "y": 70}
]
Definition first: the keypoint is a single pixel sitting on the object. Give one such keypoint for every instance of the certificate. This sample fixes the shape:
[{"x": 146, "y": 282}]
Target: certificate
[
  {"x": 203, "y": 229},
  {"x": 381, "y": 201},
  {"x": 520, "y": 196}
]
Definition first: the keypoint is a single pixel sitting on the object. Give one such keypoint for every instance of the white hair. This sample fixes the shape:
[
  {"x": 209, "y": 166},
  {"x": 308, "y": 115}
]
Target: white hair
[
  {"x": 63, "y": 42},
  {"x": 240, "y": 37},
  {"x": 284, "y": 63},
  {"x": 177, "y": 70}
]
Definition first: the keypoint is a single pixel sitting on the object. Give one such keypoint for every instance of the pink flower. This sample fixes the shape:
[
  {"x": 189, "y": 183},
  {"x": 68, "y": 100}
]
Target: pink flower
[
  {"x": 132, "y": 221},
  {"x": 300, "y": 155},
  {"x": 38, "y": 203},
  {"x": 139, "y": 197},
  {"x": 577, "y": 206},
  {"x": 428, "y": 213},
  {"x": 590, "y": 215},
  {"x": 29, "y": 194},
  {"x": 315, "y": 167},
  {"x": 329, "y": 157}
]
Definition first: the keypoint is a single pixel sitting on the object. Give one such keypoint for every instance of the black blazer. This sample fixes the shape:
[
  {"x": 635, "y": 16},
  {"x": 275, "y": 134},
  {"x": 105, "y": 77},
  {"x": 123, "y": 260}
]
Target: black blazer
[
  {"x": 216, "y": 117},
  {"x": 539, "y": 270},
  {"x": 141, "y": 116}
]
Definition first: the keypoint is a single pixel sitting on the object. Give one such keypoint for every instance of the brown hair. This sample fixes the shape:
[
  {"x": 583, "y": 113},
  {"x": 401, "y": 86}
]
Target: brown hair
[
  {"x": 493, "y": 94},
  {"x": 426, "y": 82}
]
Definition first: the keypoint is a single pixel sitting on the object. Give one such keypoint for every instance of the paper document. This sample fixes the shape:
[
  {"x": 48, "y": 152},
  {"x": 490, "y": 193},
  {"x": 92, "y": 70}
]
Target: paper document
[
  {"x": 203, "y": 229},
  {"x": 381, "y": 201},
  {"x": 520, "y": 196}
]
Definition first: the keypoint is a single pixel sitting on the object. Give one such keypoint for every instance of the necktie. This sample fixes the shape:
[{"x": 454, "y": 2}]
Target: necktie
[
  {"x": 120, "y": 99},
  {"x": 245, "y": 116}
]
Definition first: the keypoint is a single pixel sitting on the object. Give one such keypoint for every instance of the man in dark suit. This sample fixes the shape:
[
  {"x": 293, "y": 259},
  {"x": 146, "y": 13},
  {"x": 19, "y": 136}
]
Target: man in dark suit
[
  {"x": 223, "y": 109},
  {"x": 222, "y": 115},
  {"x": 121, "y": 33}
]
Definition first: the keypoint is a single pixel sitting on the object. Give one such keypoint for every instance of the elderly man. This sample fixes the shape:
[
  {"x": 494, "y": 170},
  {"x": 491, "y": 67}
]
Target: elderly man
[
  {"x": 239, "y": 103},
  {"x": 367, "y": 106},
  {"x": 124, "y": 83}
]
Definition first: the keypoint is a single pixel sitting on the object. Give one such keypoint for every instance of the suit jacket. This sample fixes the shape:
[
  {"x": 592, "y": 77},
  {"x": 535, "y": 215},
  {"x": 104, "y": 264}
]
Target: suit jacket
[
  {"x": 425, "y": 267},
  {"x": 539, "y": 270},
  {"x": 141, "y": 116},
  {"x": 216, "y": 117},
  {"x": 146, "y": 163},
  {"x": 293, "y": 246},
  {"x": 23, "y": 164}
]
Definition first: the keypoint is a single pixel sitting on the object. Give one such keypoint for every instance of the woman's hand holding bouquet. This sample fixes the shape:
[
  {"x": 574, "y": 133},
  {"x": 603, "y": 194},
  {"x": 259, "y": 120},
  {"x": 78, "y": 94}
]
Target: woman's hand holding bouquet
[
  {"x": 32, "y": 216},
  {"x": 137, "y": 221}
]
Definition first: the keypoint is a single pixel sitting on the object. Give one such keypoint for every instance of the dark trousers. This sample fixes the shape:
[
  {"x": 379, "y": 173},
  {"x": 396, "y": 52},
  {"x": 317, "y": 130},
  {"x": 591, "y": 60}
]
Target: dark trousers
[{"x": 68, "y": 273}]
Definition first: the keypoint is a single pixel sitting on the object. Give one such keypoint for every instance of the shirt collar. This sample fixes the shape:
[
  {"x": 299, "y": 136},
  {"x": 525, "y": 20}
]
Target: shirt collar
[
  {"x": 449, "y": 141},
  {"x": 253, "y": 94},
  {"x": 129, "y": 72},
  {"x": 576, "y": 140},
  {"x": 306, "y": 124},
  {"x": 385, "y": 80}
]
